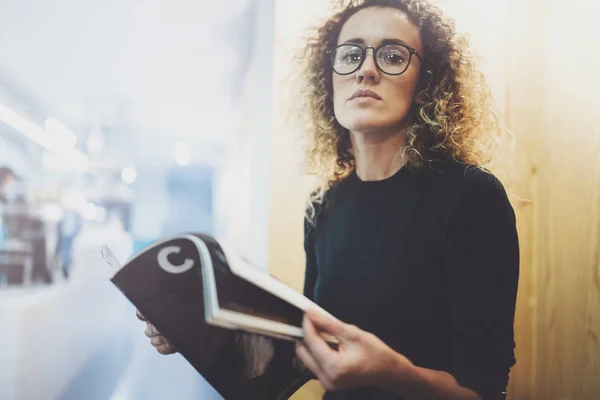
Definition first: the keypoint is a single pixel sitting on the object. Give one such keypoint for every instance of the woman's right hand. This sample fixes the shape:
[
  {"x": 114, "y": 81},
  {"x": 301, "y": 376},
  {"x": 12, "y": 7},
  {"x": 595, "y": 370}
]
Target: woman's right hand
[{"x": 156, "y": 339}]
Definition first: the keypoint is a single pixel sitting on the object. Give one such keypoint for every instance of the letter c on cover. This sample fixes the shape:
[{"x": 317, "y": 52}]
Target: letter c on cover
[{"x": 165, "y": 264}]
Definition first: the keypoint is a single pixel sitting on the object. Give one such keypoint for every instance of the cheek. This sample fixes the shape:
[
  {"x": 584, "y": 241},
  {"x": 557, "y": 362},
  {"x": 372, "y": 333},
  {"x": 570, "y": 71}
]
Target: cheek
[
  {"x": 340, "y": 93},
  {"x": 405, "y": 85},
  {"x": 403, "y": 93},
  {"x": 338, "y": 83}
]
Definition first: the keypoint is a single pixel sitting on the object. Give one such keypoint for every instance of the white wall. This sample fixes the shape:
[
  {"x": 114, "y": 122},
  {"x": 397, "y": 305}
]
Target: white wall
[{"x": 244, "y": 186}]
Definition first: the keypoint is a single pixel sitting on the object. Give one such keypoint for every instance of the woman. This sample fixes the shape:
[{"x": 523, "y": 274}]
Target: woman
[{"x": 410, "y": 243}]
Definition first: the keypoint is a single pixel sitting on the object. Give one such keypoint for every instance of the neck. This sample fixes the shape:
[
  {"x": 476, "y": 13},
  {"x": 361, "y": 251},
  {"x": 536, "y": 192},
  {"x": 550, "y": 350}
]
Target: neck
[{"x": 378, "y": 155}]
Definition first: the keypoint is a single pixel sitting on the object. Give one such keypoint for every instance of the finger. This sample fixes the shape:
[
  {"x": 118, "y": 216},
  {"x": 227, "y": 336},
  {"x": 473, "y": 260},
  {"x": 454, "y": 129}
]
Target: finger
[
  {"x": 327, "y": 322},
  {"x": 139, "y": 315},
  {"x": 165, "y": 349},
  {"x": 151, "y": 330},
  {"x": 158, "y": 340},
  {"x": 315, "y": 344},
  {"x": 306, "y": 357}
]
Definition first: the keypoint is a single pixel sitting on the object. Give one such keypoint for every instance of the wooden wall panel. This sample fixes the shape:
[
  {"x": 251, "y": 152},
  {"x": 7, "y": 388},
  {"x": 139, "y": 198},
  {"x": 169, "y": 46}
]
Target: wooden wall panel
[
  {"x": 523, "y": 119},
  {"x": 568, "y": 358}
]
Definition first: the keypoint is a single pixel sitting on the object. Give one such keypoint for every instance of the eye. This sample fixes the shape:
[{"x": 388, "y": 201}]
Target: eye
[
  {"x": 393, "y": 55},
  {"x": 392, "y": 58},
  {"x": 352, "y": 56}
]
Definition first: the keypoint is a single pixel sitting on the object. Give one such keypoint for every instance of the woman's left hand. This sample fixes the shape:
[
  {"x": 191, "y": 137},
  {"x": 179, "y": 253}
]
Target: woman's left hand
[{"x": 361, "y": 358}]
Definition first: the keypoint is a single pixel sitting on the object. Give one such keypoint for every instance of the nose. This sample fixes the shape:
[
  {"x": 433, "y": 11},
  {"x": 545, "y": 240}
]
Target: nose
[{"x": 368, "y": 70}]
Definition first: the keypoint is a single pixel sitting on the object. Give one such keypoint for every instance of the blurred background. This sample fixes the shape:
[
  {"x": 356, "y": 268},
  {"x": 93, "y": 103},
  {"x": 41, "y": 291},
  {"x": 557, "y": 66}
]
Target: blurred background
[
  {"x": 125, "y": 121},
  {"x": 120, "y": 123}
]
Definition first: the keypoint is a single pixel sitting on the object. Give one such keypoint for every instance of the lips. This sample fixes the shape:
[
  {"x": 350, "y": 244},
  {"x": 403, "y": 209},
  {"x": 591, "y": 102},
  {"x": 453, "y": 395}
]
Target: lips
[{"x": 365, "y": 93}]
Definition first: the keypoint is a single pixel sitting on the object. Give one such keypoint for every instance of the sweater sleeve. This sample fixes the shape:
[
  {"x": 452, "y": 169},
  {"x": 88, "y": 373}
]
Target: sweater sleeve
[
  {"x": 483, "y": 272},
  {"x": 310, "y": 274}
]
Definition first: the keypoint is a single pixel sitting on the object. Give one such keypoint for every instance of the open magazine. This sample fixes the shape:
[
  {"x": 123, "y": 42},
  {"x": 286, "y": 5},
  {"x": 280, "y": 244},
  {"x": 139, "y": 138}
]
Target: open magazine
[{"x": 191, "y": 287}]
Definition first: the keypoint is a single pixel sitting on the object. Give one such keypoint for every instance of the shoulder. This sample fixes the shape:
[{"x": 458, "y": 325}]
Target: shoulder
[
  {"x": 467, "y": 191},
  {"x": 465, "y": 180},
  {"x": 472, "y": 193}
]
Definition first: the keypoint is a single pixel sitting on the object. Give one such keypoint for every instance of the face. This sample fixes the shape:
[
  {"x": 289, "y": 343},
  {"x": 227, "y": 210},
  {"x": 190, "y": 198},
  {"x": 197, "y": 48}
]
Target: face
[
  {"x": 394, "y": 94},
  {"x": 7, "y": 181}
]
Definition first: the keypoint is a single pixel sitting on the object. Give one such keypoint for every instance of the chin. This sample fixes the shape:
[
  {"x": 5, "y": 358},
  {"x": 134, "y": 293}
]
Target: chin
[{"x": 367, "y": 124}]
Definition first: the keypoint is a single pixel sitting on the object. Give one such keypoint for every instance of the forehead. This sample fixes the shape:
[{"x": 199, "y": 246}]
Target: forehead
[{"x": 374, "y": 24}]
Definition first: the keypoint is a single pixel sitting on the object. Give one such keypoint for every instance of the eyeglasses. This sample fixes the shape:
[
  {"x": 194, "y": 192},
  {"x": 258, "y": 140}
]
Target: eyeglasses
[{"x": 391, "y": 59}]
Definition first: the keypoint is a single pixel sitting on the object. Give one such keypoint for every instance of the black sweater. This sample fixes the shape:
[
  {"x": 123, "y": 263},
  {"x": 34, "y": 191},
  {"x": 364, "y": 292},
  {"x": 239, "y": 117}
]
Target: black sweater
[{"x": 427, "y": 261}]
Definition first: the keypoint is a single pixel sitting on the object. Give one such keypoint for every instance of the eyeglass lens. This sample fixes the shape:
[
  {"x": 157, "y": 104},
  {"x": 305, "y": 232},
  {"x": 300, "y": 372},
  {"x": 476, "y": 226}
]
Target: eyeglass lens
[{"x": 391, "y": 59}]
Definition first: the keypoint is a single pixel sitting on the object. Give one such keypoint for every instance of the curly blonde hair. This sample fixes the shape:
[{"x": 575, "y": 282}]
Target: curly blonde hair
[{"x": 451, "y": 118}]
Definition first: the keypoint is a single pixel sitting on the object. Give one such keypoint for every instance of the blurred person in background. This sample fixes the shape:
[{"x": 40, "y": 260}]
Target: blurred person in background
[
  {"x": 68, "y": 227},
  {"x": 410, "y": 241},
  {"x": 7, "y": 178}
]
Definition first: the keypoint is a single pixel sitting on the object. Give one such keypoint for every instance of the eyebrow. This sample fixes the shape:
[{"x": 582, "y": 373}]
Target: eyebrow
[{"x": 383, "y": 42}]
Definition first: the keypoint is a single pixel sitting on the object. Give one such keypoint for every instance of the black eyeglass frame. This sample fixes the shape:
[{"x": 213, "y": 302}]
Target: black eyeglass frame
[{"x": 412, "y": 51}]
